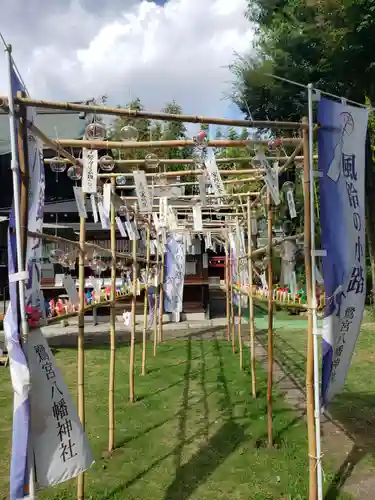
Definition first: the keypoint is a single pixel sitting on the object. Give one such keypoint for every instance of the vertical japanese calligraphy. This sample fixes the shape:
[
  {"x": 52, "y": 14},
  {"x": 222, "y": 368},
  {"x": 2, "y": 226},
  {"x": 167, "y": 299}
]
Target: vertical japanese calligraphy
[
  {"x": 143, "y": 193},
  {"x": 60, "y": 446},
  {"x": 341, "y": 145},
  {"x": 90, "y": 170}
]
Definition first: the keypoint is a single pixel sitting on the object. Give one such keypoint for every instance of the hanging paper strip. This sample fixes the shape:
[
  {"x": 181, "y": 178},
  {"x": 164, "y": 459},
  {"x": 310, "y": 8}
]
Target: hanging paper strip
[
  {"x": 94, "y": 208},
  {"x": 271, "y": 177},
  {"x": 78, "y": 195},
  {"x": 174, "y": 274},
  {"x": 215, "y": 177},
  {"x": 90, "y": 170},
  {"x": 143, "y": 194},
  {"x": 197, "y": 217}
]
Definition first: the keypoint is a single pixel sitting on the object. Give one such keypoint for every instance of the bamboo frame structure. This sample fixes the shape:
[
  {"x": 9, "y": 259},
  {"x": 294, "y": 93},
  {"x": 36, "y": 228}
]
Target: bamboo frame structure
[
  {"x": 230, "y": 259},
  {"x": 132, "y": 113}
]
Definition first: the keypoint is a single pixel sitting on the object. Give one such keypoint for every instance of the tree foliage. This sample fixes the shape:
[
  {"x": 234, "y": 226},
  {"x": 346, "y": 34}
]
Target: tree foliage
[{"x": 328, "y": 43}]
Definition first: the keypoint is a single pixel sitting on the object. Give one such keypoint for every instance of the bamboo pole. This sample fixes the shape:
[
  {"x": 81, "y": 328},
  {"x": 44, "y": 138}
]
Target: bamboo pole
[
  {"x": 239, "y": 305},
  {"x": 133, "y": 324},
  {"x": 183, "y": 173},
  {"x": 112, "y": 333},
  {"x": 161, "y": 295},
  {"x": 227, "y": 299},
  {"x": 270, "y": 323},
  {"x": 86, "y": 245},
  {"x": 134, "y": 114},
  {"x": 145, "y": 302},
  {"x": 177, "y": 161},
  {"x": 81, "y": 343},
  {"x": 313, "y": 491},
  {"x": 179, "y": 143},
  {"x": 232, "y": 329},
  {"x": 251, "y": 302},
  {"x": 155, "y": 335}
]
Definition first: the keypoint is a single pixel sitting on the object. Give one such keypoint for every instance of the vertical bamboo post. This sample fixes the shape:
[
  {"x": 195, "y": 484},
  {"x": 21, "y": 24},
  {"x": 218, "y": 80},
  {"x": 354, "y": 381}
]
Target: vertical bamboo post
[
  {"x": 239, "y": 295},
  {"x": 133, "y": 325},
  {"x": 112, "y": 331},
  {"x": 232, "y": 332},
  {"x": 251, "y": 301},
  {"x": 227, "y": 296},
  {"x": 81, "y": 341},
  {"x": 155, "y": 336},
  {"x": 161, "y": 294},
  {"x": 270, "y": 321},
  {"x": 146, "y": 298},
  {"x": 313, "y": 491}
]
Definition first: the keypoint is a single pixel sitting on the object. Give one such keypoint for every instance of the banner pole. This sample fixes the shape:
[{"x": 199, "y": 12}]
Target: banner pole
[
  {"x": 270, "y": 321},
  {"x": 310, "y": 352},
  {"x": 19, "y": 244},
  {"x": 145, "y": 303},
  {"x": 319, "y": 470}
]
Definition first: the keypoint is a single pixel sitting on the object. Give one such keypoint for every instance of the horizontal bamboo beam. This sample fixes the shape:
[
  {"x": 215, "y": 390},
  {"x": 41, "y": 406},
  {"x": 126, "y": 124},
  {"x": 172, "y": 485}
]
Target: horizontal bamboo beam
[
  {"x": 92, "y": 246},
  {"x": 132, "y": 113},
  {"x": 179, "y": 161},
  {"x": 181, "y": 173},
  {"x": 182, "y": 143}
]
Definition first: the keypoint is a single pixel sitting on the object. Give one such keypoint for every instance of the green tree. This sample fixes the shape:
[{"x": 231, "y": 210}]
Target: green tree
[{"x": 327, "y": 43}]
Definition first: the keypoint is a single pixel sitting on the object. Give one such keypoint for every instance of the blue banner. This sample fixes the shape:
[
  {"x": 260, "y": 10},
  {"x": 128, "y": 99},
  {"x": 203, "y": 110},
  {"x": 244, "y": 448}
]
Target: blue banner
[
  {"x": 341, "y": 147},
  {"x": 174, "y": 274}
]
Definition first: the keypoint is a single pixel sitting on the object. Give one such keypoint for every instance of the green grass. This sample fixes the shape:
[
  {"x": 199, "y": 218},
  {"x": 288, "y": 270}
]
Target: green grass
[
  {"x": 354, "y": 408},
  {"x": 194, "y": 432}
]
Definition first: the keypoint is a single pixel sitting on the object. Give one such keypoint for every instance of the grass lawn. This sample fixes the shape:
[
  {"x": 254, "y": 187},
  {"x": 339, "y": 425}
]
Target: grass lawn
[
  {"x": 354, "y": 408},
  {"x": 194, "y": 432}
]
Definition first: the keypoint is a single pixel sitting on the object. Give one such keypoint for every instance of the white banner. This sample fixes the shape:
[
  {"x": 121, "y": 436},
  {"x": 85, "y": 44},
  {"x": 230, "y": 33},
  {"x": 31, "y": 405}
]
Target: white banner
[
  {"x": 174, "y": 274},
  {"x": 60, "y": 446},
  {"x": 215, "y": 177}
]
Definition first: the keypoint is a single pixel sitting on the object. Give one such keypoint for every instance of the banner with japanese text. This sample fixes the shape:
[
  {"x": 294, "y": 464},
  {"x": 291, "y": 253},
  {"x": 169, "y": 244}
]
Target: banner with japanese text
[{"x": 341, "y": 147}]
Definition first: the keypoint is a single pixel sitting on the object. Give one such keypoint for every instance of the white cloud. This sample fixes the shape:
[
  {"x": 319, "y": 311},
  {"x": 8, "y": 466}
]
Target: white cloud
[{"x": 179, "y": 51}]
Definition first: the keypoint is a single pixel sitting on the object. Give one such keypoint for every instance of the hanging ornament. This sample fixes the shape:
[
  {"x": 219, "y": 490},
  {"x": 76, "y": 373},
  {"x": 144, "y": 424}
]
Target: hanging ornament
[
  {"x": 120, "y": 180},
  {"x": 95, "y": 131},
  {"x": 55, "y": 255},
  {"x": 274, "y": 144},
  {"x": 288, "y": 188},
  {"x": 152, "y": 161},
  {"x": 201, "y": 138},
  {"x": 129, "y": 134},
  {"x": 122, "y": 210},
  {"x": 74, "y": 173},
  {"x": 106, "y": 163},
  {"x": 57, "y": 165}
]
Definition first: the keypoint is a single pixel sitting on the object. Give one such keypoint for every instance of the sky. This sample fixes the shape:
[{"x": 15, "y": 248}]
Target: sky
[{"x": 158, "y": 50}]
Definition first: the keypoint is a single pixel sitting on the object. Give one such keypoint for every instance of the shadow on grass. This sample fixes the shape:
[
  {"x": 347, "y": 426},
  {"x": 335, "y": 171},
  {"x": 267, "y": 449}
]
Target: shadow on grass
[
  {"x": 190, "y": 475},
  {"x": 216, "y": 449}
]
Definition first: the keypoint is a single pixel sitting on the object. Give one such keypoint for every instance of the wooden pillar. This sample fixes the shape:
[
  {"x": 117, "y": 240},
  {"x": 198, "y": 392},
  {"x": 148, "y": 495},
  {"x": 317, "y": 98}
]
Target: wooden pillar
[{"x": 133, "y": 316}]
